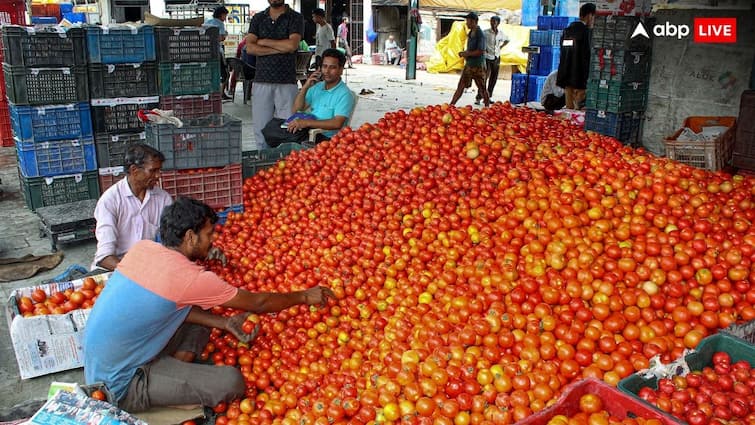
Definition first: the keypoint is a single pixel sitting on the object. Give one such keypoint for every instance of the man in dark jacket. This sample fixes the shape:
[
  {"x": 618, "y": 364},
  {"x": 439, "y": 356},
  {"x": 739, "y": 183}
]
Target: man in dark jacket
[{"x": 574, "y": 67}]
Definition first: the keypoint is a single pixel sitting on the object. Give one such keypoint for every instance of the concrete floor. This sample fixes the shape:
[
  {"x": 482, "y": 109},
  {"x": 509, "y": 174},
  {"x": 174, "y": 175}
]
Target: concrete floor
[{"x": 19, "y": 226}]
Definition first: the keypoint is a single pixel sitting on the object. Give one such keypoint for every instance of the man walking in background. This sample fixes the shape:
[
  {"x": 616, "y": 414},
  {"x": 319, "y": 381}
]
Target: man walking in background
[
  {"x": 494, "y": 42},
  {"x": 474, "y": 65},
  {"x": 218, "y": 20},
  {"x": 324, "y": 38},
  {"x": 274, "y": 36},
  {"x": 574, "y": 65},
  {"x": 343, "y": 39}
]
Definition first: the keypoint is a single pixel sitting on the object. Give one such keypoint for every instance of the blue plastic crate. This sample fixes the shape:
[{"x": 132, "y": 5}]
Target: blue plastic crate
[
  {"x": 549, "y": 59},
  {"x": 533, "y": 63},
  {"x": 44, "y": 20},
  {"x": 544, "y": 22},
  {"x": 539, "y": 38},
  {"x": 121, "y": 44},
  {"x": 561, "y": 22},
  {"x": 530, "y": 12},
  {"x": 625, "y": 126},
  {"x": 223, "y": 215},
  {"x": 518, "y": 82},
  {"x": 554, "y": 37},
  {"x": 54, "y": 158},
  {"x": 52, "y": 122},
  {"x": 535, "y": 87},
  {"x": 66, "y": 8},
  {"x": 75, "y": 17}
]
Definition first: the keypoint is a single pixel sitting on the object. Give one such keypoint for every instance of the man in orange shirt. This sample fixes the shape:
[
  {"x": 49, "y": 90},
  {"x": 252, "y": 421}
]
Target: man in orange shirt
[{"x": 151, "y": 320}]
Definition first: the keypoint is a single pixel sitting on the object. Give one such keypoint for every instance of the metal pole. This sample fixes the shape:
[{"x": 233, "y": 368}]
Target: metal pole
[{"x": 411, "y": 48}]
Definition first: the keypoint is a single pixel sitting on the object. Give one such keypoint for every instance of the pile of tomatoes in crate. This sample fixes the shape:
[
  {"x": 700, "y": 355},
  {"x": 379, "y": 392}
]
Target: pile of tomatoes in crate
[
  {"x": 40, "y": 303},
  {"x": 482, "y": 260},
  {"x": 723, "y": 391}
]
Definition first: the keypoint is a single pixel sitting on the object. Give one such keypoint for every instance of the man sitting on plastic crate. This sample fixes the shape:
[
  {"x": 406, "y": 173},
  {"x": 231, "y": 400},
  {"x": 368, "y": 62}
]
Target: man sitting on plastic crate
[
  {"x": 129, "y": 211},
  {"x": 325, "y": 102}
]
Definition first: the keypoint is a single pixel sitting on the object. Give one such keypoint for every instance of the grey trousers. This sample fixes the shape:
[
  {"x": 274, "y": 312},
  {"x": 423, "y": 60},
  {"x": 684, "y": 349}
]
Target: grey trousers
[
  {"x": 270, "y": 101},
  {"x": 167, "y": 381}
]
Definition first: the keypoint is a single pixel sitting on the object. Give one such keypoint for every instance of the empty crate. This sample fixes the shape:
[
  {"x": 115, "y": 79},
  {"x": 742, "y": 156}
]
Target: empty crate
[
  {"x": 45, "y": 86},
  {"x": 121, "y": 44},
  {"x": 212, "y": 141},
  {"x": 50, "y": 46},
  {"x": 199, "y": 44},
  {"x": 108, "y": 81},
  {"x": 51, "y": 122},
  {"x": 189, "y": 78},
  {"x": 111, "y": 148},
  {"x": 192, "y": 106},
  {"x": 217, "y": 187}
]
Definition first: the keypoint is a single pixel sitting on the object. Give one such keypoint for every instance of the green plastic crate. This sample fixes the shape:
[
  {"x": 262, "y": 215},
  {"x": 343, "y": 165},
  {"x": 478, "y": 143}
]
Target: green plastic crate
[
  {"x": 620, "y": 65},
  {"x": 616, "y": 96},
  {"x": 255, "y": 160},
  {"x": 46, "y": 191},
  {"x": 697, "y": 360},
  {"x": 189, "y": 78}
]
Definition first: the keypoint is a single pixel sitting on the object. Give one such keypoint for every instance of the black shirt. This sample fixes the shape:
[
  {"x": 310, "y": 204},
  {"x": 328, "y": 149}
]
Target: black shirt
[
  {"x": 277, "y": 68},
  {"x": 574, "y": 65}
]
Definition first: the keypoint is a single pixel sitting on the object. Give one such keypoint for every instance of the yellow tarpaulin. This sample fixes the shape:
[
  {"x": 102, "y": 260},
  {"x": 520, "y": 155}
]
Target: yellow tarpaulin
[
  {"x": 477, "y": 5},
  {"x": 446, "y": 56}
]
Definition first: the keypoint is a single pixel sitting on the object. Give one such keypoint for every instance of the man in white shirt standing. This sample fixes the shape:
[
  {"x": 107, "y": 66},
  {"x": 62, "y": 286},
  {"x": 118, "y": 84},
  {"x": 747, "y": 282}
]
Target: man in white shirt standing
[
  {"x": 552, "y": 97},
  {"x": 324, "y": 38},
  {"x": 494, "y": 42}
]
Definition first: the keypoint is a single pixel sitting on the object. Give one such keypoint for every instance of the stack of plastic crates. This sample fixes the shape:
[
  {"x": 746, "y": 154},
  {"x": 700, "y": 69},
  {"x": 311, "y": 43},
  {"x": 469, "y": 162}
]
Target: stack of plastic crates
[
  {"x": 122, "y": 80},
  {"x": 202, "y": 159},
  {"x": 46, "y": 84},
  {"x": 10, "y": 13},
  {"x": 618, "y": 82},
  {"x": 189, "y": 71},
  {"x": 547, "y": 37}
]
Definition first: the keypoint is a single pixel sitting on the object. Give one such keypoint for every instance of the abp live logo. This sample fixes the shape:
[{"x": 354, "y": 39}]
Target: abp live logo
[{"x": 704, "y": 30}]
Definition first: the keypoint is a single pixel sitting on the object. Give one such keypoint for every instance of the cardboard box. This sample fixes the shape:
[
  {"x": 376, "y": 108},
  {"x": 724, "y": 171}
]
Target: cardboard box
[
  {"x": 49, "y": 343},
  {"x": 623, "y": 7}
]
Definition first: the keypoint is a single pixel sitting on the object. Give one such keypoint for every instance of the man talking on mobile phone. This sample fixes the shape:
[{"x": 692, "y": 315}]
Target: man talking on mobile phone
[{"x": 324, "y": 102}]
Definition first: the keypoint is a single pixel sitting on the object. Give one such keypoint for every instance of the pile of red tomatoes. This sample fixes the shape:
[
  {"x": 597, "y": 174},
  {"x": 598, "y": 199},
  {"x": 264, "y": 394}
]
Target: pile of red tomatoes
[{"x": 482, "y": 260}]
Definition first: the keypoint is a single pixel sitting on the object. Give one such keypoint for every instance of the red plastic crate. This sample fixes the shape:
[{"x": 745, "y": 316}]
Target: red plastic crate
[
  {"x": 110, "y": 176},
  {"x": 193, "y": 106},
  {"x": 216, "y": 187},
  {"x": 6, "y": 131},
  {"x": 615, "y": 403},
  {"x": 46, "y": 9},
  {"x": 13, "y": 12}
]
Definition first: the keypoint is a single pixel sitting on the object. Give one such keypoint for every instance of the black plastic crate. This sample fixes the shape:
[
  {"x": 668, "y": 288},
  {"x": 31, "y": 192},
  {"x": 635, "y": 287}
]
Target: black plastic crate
[
  {"x": 43, "y": 46},
  {"x": 122, "y": 80},
  {"x": 625, "y": 127},
  {"x": 620, "y": 65},
  {"x": 615, "y": 32},
  {"x": 111, "y": 148},
  {"x": 46, "y": 86},
  {"x": 180, "y": 45},
  {"x": 255, "y": 161},
  {"x": 120, "y": 115},
  {"x": 211, "y": 141},
  {"x": 45, "y": 191}
]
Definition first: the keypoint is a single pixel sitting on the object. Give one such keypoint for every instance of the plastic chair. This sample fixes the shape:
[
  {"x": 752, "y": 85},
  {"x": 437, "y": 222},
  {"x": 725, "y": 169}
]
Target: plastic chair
[
  {"x": 302, "y": 64},
  {"x": 312, "y": 139},
  {"x": 240, "y": 69}
]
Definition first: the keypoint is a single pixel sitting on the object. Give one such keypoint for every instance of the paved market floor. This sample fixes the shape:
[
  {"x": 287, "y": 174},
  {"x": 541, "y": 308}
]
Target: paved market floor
[{"x": 19, "y": 227}]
